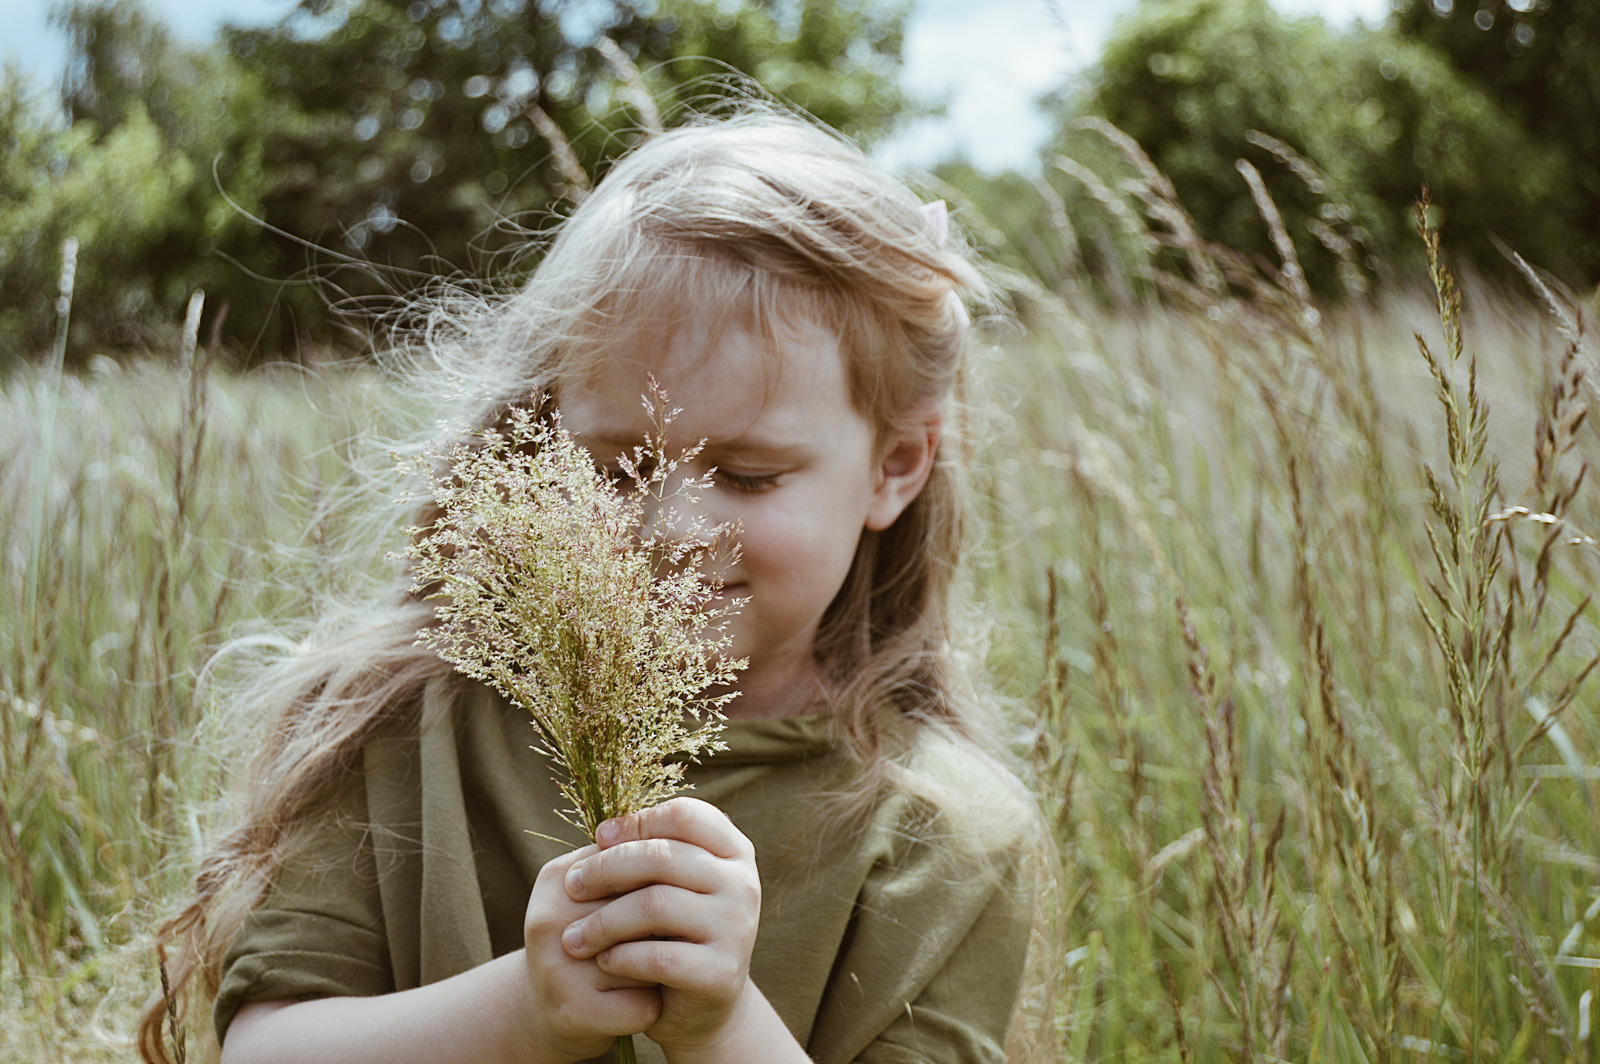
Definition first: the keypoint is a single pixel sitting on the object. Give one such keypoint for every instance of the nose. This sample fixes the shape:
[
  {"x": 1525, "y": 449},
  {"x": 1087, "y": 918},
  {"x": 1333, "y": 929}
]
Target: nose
[{"x": 682, "y": 512}]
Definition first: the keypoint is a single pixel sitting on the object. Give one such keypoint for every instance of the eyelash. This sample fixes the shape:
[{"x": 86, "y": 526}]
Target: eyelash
[{"x": 750, "y": 483}]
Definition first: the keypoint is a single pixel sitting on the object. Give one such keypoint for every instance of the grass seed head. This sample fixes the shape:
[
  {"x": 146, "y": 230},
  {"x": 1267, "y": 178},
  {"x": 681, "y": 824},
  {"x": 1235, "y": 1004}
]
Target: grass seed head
[{"x": 554, "y": 587}]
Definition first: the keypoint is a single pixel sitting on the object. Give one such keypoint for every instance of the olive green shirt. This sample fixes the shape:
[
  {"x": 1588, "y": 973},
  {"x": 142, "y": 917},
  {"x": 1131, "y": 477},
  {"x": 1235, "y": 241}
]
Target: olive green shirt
[{"x": 892, "y": 937}]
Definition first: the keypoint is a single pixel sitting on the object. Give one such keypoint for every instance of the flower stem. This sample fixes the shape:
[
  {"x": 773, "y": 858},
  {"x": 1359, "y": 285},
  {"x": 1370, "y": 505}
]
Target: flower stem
[{"x": 625, "y": 1050}]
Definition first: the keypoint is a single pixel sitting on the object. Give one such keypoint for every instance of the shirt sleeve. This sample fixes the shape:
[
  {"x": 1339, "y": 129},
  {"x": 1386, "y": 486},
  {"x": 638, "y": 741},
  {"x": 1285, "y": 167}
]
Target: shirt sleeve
[
  {"x": 965, "y": 1010},
  {"x": 319, "y": 932},
  {"x": 932, "y": 967}
]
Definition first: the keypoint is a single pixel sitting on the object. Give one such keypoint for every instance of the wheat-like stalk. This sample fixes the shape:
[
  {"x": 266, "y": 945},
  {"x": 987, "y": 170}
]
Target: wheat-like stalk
[{"x": 547, "y": 591}]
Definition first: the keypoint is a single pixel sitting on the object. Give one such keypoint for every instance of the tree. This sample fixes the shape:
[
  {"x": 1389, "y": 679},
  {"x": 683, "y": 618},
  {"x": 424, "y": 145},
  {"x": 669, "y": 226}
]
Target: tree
[
  {"x": 126, "y": 171},
  {"x": 1375, "y": 116},
  {"x": 422, "y": 120},
  {"x": 1540, "y": 61},
  {"x": 358, "y": 149}
]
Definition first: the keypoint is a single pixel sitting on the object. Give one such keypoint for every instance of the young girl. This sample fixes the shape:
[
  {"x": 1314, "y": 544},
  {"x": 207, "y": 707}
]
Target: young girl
[{"x": 850, "y": 880}]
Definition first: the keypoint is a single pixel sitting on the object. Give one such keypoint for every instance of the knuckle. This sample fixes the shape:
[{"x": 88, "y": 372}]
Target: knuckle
[
  {"x": 726, "y": 971},
  {"x": 555, "y": 869},
  {"x": 656, "y": 852},
  {"x": 659, "y": 961},
  {"x": 652, "y": 904},
  {"x": 598, "y": 925},
  {"x": 631, "y": 826},
  {"x": 681, "y": 811},
  {"x": 537, "y": 920}
]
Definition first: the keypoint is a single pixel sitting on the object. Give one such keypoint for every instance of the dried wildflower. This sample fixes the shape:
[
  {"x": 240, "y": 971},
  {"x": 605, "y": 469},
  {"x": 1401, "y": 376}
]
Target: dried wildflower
[{"x": 547, "y": 591}]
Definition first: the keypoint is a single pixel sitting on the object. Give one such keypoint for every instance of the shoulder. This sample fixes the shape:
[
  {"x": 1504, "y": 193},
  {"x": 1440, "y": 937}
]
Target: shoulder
[
  {"x": 944, "y": 923},
  {"x": 951, "y": 802}
]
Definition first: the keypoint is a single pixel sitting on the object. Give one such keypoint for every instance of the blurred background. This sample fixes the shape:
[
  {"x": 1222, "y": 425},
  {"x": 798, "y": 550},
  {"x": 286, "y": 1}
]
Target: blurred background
[
  {"x": 303, "y": 161},
  {"x": 1288, "y": 545}
]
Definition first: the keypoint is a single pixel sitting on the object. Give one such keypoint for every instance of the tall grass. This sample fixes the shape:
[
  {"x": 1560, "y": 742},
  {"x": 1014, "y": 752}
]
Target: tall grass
[
  {"x": 148, "y": 513},
  {"x": 1314, "y": 602},
  {"x": 1297, "y": 603}
]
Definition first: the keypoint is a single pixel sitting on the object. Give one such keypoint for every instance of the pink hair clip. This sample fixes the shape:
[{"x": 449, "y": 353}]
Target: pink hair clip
[{"x": 938, "y": 218}]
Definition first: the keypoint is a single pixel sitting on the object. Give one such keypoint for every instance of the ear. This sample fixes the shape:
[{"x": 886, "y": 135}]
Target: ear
[{"x": 906, "y": 463}]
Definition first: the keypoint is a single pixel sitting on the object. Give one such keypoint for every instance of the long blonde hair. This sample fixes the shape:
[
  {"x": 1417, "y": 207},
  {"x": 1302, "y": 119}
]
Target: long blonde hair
[{"x": 757, "y": 216}]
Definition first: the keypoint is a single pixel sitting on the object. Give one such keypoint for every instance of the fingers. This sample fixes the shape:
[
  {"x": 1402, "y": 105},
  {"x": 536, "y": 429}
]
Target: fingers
[
  {"x": 653, "y": 912},
  {"x": 550, "y": 908},
  {"x": 610, "y": 981},
  {"x": 630, "y": 1008},
  {"x": 632, "y": 865},
  {"x": 556, "y": 867},
  {"x": 685, "y": 966},
  {"x": 685, "y": 819},
  {"x": 614, "y": 1012}
]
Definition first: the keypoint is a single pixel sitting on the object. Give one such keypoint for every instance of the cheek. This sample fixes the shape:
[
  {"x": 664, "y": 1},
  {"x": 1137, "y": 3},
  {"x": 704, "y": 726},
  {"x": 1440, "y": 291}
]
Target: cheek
[{"x": 807, "y": 541}]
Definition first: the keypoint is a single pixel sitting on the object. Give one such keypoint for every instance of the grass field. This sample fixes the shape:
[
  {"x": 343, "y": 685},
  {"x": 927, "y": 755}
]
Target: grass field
[{"x": 1300, "y": 622}]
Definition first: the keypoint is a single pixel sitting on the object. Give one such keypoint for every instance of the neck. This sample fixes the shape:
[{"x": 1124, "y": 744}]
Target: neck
[{"x": 785, "y": 688}]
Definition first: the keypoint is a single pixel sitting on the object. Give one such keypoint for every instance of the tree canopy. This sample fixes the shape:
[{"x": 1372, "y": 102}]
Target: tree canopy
[
  {"x": 359, "y": 148},
  {"x": 1345, "y": 126},
  {"x": 356, "y": 149},
  {"x": 1538, "y": 60}
]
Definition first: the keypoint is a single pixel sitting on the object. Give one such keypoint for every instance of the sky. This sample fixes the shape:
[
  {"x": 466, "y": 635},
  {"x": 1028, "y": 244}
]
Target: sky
[
  {"x": 989, "y": 61},
  {"x": 995, "y": 58}
]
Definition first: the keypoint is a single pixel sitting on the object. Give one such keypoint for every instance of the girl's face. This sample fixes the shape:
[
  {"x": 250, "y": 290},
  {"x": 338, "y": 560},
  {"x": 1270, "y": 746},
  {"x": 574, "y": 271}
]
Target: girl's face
[{"x": 793, "y": 464}]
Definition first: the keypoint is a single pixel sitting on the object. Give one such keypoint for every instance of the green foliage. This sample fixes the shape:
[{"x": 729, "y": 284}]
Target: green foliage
[
  {"x": 423, "y": 119},
  {"x": 56, "y": 182},
  {"x": 1015, "y": 223},
  {"x": 1366, "y": 117},
  {"x": 129, "y": 560},
  {"x": 381, "y": 143},
  {"x": 1309, "y": 726},
  {"x": 1540, "y": 61},
  {"x": 839, "y": 61},
  {"x": 136, "y": 173}
]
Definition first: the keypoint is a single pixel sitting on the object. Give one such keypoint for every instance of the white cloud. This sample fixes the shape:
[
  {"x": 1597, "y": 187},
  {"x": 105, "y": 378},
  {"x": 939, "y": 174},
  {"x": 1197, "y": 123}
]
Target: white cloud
[
  {"x": 993, "y": 61},
  {"x": 1339, "y": 12},
  {"x": 989, "y": 63}
]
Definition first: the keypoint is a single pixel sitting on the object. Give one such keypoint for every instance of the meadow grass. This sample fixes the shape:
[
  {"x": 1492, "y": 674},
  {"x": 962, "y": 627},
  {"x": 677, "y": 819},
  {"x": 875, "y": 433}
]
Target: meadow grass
[
  {"x": 1313, "y": 598},
  {"x": 149, "y": 513},
  {"x": 1305, "y": 686}
]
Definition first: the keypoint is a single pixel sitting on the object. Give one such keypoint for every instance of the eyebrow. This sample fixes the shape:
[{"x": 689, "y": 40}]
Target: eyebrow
[
  {"x": 757, "y": 448},
  {"x": 744, "y": 446}
]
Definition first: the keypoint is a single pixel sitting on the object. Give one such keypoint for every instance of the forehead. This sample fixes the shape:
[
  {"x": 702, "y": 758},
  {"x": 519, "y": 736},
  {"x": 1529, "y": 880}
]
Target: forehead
[{"x": 726, "y": 375}]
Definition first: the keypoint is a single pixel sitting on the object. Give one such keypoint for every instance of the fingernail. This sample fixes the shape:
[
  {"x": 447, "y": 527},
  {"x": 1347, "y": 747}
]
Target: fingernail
[
  {"x": 575, "y": 879},
  {"x": 572, "y": 937},
  {"x": 607, "y": 832}
]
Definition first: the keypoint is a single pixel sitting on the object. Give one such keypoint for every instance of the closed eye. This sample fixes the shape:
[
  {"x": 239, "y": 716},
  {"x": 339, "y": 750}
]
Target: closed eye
[
  {"x": 624, "y": 479},
  {"x": 748, "y": 483}
]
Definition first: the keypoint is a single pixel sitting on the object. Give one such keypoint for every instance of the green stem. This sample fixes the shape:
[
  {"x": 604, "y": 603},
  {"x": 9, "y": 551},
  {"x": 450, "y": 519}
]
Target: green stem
[
  {"x": 1477, "y": 905},
  {"x": 625, "y": 1050}
]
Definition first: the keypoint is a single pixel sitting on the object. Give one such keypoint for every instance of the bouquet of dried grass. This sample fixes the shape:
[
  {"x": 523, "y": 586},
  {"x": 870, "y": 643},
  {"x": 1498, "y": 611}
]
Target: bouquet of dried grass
[{"x": 553, "y": 587}]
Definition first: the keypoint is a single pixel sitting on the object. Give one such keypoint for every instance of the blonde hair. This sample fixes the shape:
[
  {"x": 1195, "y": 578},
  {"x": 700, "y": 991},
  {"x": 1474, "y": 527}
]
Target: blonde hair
[{"x": 759, "y": 217}]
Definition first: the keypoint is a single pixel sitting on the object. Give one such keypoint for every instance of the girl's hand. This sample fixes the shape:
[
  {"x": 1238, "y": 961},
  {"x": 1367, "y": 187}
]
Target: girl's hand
[
  {"x": 577, "y": 1009},
  {"x": 686, "y": 902}
]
